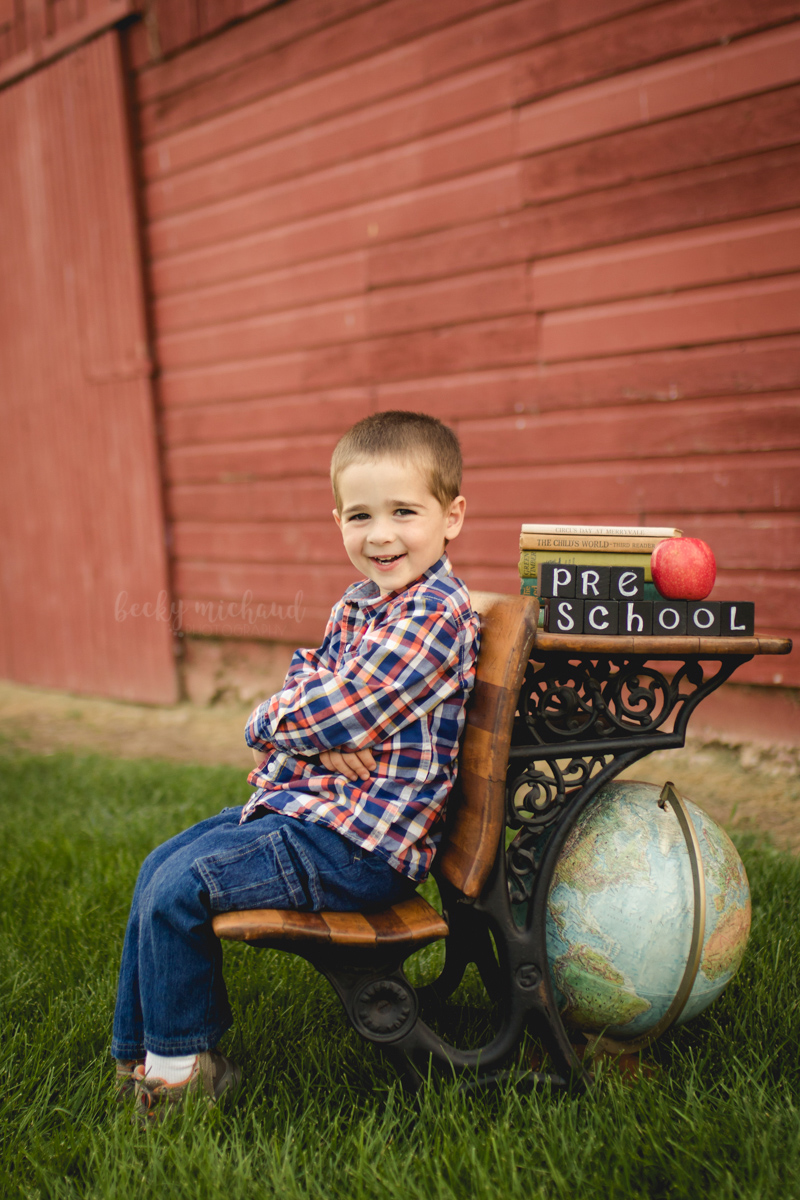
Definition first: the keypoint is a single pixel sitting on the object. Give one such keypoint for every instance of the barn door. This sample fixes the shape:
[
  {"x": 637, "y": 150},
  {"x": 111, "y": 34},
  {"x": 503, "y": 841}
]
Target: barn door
[{"x": 83, "y": 582}]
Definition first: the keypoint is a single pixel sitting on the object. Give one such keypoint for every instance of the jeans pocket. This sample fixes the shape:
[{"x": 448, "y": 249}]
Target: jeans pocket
[{"x": 261, "y": 874}]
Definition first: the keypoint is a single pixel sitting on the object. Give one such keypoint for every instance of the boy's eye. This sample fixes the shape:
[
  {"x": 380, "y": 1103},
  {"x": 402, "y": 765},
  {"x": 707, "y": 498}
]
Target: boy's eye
[
  {"x": 405, "y": 512},
  {"x": 358, "y": 517}
]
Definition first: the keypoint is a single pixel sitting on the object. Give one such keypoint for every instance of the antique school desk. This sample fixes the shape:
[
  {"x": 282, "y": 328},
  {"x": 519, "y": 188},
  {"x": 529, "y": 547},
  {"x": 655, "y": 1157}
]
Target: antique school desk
[{"x": 551, "y": 719}]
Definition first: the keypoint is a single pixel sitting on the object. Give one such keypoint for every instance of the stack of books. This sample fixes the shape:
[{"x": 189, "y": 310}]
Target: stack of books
[
  {"x": 598, "y": 580},
  {"x": 589, "y": 545}
]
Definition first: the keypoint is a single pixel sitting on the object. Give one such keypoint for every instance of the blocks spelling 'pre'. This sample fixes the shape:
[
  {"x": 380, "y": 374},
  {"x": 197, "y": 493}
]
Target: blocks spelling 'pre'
[{"x": 563, "y": 581}]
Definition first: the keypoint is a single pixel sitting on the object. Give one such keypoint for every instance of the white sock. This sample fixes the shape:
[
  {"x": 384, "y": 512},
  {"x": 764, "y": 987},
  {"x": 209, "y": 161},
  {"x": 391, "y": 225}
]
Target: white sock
[{"x": 172, "y": 1070}]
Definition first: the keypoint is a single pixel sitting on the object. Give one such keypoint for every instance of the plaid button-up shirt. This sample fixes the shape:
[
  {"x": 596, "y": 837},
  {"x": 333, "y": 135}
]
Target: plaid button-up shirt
[{"x": 392, "y": 675}]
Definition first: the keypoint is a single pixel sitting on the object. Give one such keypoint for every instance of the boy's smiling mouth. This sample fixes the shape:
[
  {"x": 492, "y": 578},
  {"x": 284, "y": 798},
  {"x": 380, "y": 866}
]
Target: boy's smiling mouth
[{"x": 386, "y": 559}]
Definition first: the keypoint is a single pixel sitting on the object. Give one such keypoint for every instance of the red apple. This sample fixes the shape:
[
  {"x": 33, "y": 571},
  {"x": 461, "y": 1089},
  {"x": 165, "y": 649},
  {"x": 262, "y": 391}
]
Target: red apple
[{"x": 683, "y": 568}]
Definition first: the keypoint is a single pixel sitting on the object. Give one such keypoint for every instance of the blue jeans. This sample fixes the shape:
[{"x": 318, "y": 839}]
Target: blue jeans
[{"x": 171, "y": 997}]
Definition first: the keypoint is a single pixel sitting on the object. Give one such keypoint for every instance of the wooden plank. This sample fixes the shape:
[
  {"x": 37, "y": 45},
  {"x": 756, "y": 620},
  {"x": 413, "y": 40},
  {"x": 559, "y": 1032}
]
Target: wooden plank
[
  {"x": 234, "y": 341},
  {"x": 635, "y": 39},
  {"x": 267, "y": 159},
  {"x": 302, "y": 371},
  {"x": 465, "y": 347},
  {"x": 737, "y": 250},
  {"x": 460, "y": 250},
  {"x": 727, "y": 131},
  {"x": 247, "y": 541},
  {"x": 323, "y": 49},
  {"x": 50, "y": 44},
  {"x": 419, "y": 916},
  {"x": 439, "y": 206},
  {"x": 709, "y": 314},
  {"x": 248, "y": 585},
  {"x": 465, "y": 298},
  {"x": 449, "y": 301},
  {"x": 507, "y": 340},
  {"x": 321, "y": 411},
  {"x": 769, "y": 540},
  {"x": 762, "y": 62},
  {"x": 456, "y": 41},
  {"x": 665, "y": 376},
  {"x": 296, "y": 499},
  {"x": 699, "y": 196},
  {"x": 413, "y": 921},
  {"x": 305, "y": 283},
  {"x": 508, "y": 29},
  {"x": 675, "y": 430},
  {"x": 658, "y": 646},
  {"x": 461, "y": 151},
  {"x": 270, "y": 30},
  {"x": 724, "y": 369},
  {"x": 349, "y": 88},
  {"x": 725, "y": 483},
  {"x": 263, "y": 924},
  {"x": 263, "y": 458}
]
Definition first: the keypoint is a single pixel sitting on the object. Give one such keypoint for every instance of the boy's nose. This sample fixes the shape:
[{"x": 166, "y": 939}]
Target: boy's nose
[{"x": 381, "y": 533}]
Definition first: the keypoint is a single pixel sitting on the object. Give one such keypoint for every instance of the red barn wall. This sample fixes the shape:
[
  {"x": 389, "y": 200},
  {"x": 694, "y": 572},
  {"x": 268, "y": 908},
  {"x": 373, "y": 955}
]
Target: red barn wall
[
  {"x": 570, "y": 228},
  {"x": 81, "y": 516}
]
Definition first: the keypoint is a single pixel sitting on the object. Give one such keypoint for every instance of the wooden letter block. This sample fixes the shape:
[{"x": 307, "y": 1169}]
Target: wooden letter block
[
  {"x": 636, "y": 616},
  {"x": 704, "y": 617},
  {"x": 669, "y": 617},
  {"x": 737, "y": 618},
  {"x": 556, "y": 579},
  {"x": 600, "y": 616},
  {"x": 593, "y": 583},
  {"x": 627, "y": 583},
  {"x": 564, "y": 616}
]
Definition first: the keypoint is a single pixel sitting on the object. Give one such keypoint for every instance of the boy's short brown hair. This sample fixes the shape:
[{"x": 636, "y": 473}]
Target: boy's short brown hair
[{"x": 409, "y": 436}]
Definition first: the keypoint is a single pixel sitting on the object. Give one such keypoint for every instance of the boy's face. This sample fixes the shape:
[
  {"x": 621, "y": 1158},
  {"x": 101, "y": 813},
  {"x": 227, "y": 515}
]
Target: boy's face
[{"x": 393, "y": 527}]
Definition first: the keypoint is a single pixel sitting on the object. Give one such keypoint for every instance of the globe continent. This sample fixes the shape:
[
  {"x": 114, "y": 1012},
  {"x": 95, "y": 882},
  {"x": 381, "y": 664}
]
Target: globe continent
[{"x": 621, "y": 908}]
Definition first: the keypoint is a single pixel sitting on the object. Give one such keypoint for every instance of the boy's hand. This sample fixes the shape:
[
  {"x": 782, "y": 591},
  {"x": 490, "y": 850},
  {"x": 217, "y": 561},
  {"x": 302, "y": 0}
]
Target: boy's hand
[
  {"x": 259, "y": 757},
  {"x": 353, "y": 764}
]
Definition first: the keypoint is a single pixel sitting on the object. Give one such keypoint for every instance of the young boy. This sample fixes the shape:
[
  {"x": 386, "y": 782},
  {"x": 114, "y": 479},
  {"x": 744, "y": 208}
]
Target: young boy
[{"x": 354, "y": 756}]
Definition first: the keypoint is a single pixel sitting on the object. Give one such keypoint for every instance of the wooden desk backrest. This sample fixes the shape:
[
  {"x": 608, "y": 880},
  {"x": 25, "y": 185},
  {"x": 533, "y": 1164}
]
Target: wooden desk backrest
[{"x": 475, "y": 812}]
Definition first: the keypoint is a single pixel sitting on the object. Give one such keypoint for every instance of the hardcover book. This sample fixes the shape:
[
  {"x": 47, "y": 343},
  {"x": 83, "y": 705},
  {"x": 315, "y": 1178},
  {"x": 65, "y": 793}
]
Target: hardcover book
[
  {"x": 530, "y": 561},
  {"x": 651, "y": 531}
]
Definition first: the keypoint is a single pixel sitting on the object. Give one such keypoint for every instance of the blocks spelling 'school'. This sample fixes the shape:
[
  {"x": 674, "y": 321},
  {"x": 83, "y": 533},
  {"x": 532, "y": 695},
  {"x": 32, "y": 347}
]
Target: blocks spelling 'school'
[{"x": 641, "y": 618}]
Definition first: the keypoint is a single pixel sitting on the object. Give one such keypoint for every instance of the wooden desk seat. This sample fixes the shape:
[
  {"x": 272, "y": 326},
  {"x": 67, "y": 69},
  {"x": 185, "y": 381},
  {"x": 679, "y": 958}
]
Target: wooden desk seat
[{"x": 412, "y": 922}]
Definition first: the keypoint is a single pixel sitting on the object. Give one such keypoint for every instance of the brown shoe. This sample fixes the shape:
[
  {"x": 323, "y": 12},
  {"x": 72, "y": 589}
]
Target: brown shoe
[
  {"x": 212, "y": 1073},
  {"x": 124, "y": 1081}
]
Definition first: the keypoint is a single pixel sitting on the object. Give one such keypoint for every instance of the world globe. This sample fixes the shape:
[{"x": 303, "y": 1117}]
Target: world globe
[{"x": 621, "y": 911}]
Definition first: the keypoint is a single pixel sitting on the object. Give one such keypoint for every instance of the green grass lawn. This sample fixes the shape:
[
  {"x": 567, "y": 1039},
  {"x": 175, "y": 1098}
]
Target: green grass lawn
[{"x": 322, "y": 1114}]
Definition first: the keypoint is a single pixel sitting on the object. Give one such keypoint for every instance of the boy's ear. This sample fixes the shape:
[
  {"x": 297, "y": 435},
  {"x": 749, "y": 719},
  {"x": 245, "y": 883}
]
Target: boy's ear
[
  {"x": 336, "y": 517},
  {"x": 455, "y": 518}
]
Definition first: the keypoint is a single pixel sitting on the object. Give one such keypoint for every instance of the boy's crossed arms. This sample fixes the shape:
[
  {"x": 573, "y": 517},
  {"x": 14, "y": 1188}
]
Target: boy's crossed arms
[{"x": 346, "y": 699}]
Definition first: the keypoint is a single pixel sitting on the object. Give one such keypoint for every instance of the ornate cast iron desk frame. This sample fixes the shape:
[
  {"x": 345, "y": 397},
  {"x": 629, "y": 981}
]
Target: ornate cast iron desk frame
[
  {"x": 589, "y": 707},
  {"x": 532, "y": 758}
]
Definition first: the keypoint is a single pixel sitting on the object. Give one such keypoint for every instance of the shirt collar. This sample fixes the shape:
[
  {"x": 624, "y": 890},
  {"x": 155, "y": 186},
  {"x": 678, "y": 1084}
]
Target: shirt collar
[{"x": 366, "y": 593}]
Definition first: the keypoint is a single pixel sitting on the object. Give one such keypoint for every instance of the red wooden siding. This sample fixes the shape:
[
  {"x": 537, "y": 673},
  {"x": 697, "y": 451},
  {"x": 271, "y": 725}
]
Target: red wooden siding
[
  {"x": 80, "y": 503},
  {"x": 35, "y": 32},
  {"x": 569, "y": 227}
]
